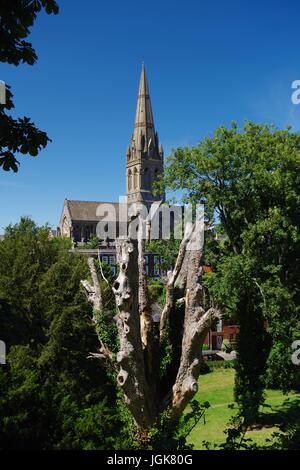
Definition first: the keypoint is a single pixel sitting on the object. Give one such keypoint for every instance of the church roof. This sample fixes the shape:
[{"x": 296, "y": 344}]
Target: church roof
[{"x": 87, "y": 210}]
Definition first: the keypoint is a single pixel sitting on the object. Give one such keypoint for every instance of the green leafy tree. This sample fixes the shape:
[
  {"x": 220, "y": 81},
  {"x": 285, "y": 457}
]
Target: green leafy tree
[
  {"x": 52, "y": 395},
  {"x": 19, "y": 136},
  {"x": 167, "y": 250},
  {"x": 249, "y": 181}
]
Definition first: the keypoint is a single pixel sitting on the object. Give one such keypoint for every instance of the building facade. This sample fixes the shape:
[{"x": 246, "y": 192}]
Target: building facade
[
  {"x": 144, "y": 165},
  {"x": 81, "y": 221}
]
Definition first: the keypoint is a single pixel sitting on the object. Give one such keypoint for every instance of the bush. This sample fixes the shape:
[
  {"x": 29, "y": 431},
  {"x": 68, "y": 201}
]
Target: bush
[
  {"x": 204, "y": 368},
  {"x": 281, "y": 372},
  {"x": 221, "y": 364},
  {"x": 52, "y": 396},
  {"x": 156, "y": 290}
]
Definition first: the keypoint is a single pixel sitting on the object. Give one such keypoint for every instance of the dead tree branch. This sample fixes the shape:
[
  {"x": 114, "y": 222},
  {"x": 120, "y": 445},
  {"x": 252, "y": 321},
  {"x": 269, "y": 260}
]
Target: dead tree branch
[
  {"x": 94, "y": 296},
  {"x": 130, "y": 358},
  {"x": 137, "y": 360}
]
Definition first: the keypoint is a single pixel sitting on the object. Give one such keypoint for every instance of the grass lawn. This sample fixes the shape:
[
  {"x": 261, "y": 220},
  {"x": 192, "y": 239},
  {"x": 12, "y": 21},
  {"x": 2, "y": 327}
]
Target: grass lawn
[{"x": 217, "y": 388}]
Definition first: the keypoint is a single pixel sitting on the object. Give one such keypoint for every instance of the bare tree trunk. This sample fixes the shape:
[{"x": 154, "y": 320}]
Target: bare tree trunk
[
  {"x": 137, "y": 359},
  {"x": 94, "y": 295},
  {"x": 144, "y": 307},
  {"x": 186, "y": 276},
  {"x": 149, "y": 342},
  {"x": 172, "y": 277},
  {"x": 130, "y": 358}
]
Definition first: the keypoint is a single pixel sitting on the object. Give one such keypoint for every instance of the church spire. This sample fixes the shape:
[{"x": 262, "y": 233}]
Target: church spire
[
  {"x": 144, "y": 157},
  {"x": 144, "y": 139},
  {"x": 143, "y": 115}
]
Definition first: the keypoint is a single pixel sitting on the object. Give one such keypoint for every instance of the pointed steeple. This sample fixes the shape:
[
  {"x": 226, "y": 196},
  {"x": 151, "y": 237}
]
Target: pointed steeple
[
  {"x": 144, "y": 115},
  {"x": 144, "y": 138},
  {"x": 144, "y": 156}
]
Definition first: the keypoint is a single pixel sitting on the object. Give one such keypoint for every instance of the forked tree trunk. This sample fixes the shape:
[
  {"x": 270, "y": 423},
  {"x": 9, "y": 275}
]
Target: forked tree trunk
[
  {"x": 137, "y": 360},
  {"x": 132, "y": 372}
]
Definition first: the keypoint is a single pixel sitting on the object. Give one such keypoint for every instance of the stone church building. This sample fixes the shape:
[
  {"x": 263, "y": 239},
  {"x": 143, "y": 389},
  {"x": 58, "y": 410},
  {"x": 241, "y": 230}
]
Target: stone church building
[{"x": 144, "y": 164}]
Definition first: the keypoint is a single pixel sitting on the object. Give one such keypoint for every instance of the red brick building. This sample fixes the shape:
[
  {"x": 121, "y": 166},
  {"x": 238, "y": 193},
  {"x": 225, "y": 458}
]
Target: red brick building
[{"x": 222, "y": 330}]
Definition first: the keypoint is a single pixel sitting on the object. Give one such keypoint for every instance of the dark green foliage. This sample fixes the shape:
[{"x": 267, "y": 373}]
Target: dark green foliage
[
  {"x": 205, "y": 368},
  {"x": 170, "y": 351},
  {"x": 289, "y": 439},
  {"x": 156, "y": 291},
  {"x": 281, "y": 372},
  {"x": 168, "y": 249},
  {"x": 243, "y": 304},
  {"x": 172, "y": 435},
  {"x": 253, "y": 348},
  {"x": 93, "y": 243},
  {"x": 19, "y": 136},
  {"x": 17, "y": 17},
  {"x": 249, "y": 181},
  {"x": 236, "y": 436},
  {"x": 210, "y": 366},
  {"x": 52, "y": 395},
  {"x": 106, "y": 327},
  {"x": 288, "y": 436}
]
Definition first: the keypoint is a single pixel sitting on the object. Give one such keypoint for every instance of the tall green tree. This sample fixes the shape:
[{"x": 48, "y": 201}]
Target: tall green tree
[
  {"x": 52, "y": 395},
  {"x": 19, "y": 136},
  {"x": 249, "y": 181}
]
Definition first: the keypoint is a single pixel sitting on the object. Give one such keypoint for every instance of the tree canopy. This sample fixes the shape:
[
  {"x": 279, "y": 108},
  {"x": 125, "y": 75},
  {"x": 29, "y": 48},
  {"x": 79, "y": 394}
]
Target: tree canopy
[
  {"x": 19, "y": 136},
  {"x": 52, "y": 395},
  {"x": 249, "y": 181}
]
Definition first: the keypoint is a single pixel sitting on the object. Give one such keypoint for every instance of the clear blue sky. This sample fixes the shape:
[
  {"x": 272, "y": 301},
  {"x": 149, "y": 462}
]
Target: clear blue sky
[{"x": 208, "y": 63}]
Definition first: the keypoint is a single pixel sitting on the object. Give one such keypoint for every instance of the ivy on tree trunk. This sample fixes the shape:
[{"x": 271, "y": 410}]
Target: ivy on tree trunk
[{"x": 141, "y": 346}]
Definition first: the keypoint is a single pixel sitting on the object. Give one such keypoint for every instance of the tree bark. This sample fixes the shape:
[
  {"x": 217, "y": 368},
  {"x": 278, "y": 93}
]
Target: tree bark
[
  {"x": 172, "y": 277},
  {"x": 130, "y": 358},
  {"x": 149, "y": 341},
  {"x": 137, "y": 359},
  {"x": 94, "y": 296},
  {"x": 186, "y": 276}
]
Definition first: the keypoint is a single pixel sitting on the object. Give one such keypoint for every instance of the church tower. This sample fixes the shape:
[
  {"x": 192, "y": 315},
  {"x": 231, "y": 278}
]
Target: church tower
[{"x": 144, "y": 156}]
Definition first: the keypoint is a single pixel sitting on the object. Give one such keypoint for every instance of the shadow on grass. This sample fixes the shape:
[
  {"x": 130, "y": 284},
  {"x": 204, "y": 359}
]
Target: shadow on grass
[{"x": 281, "y": 416}]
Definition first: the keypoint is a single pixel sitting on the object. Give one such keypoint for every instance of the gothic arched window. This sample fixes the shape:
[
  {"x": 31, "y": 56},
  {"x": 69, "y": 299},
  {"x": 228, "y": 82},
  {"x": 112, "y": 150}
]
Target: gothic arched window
[
  {"x": 65, "y": 227},
  {"x": 147, "y": 178},
  {"x": 156, "y": 174},
  {"x": 142, "y": 143},
  {"x": 135, "y": 178},
  {"x": 129, "y": 180}
]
